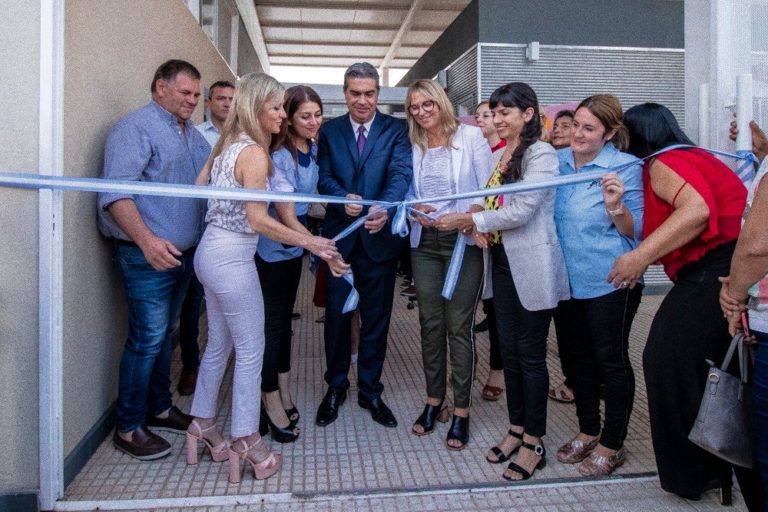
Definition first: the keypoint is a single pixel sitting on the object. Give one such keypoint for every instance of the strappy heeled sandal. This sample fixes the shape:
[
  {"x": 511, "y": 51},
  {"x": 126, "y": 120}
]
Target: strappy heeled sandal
[
  {"x": 429, "y": 415},
  {"x": 537, "y": 449},
  {"x": 499, "y": 453},
  {"x": 263, "y": 461},
  {"x": 459, "y": 431},
  {"x": 293, "y": 415},
  {"x": 195, "y": 435}
]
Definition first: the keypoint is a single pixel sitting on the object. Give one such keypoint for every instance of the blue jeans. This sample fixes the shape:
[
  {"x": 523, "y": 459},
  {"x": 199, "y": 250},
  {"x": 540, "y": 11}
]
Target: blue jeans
[
  {"x": 154, "y": 303},
  {"x": 760, "y": 405}
]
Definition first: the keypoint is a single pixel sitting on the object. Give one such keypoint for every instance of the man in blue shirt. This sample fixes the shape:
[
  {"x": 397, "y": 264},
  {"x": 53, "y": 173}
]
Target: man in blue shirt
[
  {"x": 154, "y": 239},
  {"x": 220, "y": 97}
]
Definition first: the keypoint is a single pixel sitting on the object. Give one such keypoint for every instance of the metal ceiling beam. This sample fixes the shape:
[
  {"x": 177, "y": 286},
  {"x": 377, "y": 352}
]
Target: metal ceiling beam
[
  {"x": 405, "y": 27},
  {"x": 355, "y": 26},
  {"x": 343, "y": 44},
  {"x": 250, "y": 18},
  {"x": 340, "y": 6}
]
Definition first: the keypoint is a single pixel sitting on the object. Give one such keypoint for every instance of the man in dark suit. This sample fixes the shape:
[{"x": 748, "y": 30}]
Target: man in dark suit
[{"x": 365, "y": 154}]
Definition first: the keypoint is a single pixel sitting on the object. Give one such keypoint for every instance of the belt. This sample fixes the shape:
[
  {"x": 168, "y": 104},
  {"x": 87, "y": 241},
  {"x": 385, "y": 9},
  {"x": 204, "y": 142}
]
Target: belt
[{"x": 124, "y": 243}]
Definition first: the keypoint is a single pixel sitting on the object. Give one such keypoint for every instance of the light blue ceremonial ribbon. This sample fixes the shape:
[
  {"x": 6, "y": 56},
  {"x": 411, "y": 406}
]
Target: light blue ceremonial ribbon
[
  {"x": 399, "y": 221},
  {"x": 746, "y": 170}
]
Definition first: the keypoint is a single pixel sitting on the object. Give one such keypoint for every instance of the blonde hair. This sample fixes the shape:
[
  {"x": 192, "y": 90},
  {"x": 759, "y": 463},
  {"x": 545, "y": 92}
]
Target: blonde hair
[
  {"x": 607, "y": 109},
  {"x": 449, "y": 125},
  {"x": 253, "y": 93}
]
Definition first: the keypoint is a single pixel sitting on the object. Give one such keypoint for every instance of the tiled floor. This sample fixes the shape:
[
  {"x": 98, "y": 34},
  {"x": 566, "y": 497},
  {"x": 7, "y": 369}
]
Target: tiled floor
[{"x": 357, "y": 465}]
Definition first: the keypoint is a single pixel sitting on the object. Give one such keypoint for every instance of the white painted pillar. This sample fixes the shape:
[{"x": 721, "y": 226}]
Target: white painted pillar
[{"x": 51, "y": 250}]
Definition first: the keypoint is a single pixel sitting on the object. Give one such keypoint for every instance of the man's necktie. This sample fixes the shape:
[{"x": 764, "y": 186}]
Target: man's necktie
[{"x": 360, "y": 139}]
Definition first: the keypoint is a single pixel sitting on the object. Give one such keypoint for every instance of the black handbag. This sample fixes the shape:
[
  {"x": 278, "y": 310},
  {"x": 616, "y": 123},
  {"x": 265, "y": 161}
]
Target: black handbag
[{"x": 723, "y": 426}]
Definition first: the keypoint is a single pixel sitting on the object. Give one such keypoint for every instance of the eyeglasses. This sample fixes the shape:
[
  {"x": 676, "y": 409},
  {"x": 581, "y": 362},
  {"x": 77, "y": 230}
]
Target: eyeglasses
[{"x": 427, "y": 106}]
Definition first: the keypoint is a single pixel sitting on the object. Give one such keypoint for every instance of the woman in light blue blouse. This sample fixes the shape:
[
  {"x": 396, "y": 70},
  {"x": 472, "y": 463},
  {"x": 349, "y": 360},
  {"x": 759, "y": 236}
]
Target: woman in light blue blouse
[
  {"x": 294, "y": 155},
  {"x": 596, "y": 223}
]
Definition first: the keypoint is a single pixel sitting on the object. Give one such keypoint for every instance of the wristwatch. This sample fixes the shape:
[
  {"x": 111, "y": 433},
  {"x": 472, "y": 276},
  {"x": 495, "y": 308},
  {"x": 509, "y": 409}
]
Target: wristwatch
[{"x": 618, "y": 211}]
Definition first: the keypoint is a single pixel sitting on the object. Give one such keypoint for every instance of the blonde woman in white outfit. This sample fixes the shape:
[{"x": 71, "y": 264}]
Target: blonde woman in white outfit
[
  {"x": 448, "y": 157},
  {"x": 224, "y": 265}
]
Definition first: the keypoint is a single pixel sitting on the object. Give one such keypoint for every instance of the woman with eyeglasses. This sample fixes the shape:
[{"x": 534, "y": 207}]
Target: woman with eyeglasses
[
  {"x": 527, "y": 271},
  {"x": 596, "y": 223},
  {"x": 448, "y": 158},
  {"x": 562, "y": 129}
]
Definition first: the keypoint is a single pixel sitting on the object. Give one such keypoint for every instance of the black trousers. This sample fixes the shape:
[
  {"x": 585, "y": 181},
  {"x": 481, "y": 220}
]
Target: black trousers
[
  {"x": 495, "y": 361},
  {"x": 594, "y": 340},
  {"x": 523, "y": 343},
  {"x": 279, "y": 285},
  {"x": 688, "y": 329}
]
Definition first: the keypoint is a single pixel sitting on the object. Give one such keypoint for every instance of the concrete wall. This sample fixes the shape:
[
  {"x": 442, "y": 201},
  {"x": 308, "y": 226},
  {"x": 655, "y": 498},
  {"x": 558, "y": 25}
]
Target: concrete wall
[
  {"x": 247, "y": 59},
  {"x": 112, "y": 49},
  {"x": 19, "y": 50},
  {"x": 636, "y": 23}
]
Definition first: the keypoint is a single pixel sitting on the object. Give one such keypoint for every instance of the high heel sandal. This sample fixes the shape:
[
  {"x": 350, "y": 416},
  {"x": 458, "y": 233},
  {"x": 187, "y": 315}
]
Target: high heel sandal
[
  {"x": 459, "y": 431},
  {"x": 266, "y": 467},
  {"x": 499, "y": 453},
  {"x": 280, "y": 434},
  {"x": 293, "y": 415},
  {"x": 195, "y": 435},
  {"x": 537, "y": 449},
  {"x": 429, "y": 415}
]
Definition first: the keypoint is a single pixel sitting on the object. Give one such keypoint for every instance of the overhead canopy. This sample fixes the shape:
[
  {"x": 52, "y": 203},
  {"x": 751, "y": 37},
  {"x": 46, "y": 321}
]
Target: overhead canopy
[{"x": 386, "y": 33}]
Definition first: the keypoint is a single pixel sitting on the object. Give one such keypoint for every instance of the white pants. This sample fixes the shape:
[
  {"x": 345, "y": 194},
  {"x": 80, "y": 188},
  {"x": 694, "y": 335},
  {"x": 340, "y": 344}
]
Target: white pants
[{"x": 225, "y": 266}]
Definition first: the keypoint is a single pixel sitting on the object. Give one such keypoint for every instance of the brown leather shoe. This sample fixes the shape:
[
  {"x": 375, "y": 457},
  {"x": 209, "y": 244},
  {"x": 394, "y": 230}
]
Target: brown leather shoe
[
  {"x": 187, "y": 381},
  {"x": 176, "y": 422},
  {"x": 575, "y": 450},
  {"x": 144, "y": 445}
]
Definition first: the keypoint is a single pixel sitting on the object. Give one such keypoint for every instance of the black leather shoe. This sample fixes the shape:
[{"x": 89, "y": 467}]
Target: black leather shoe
[
  {"x": 145, "y": 445},
  {"x": 380, "y": 413},
  {"x": 329, "y": 407},
  {"x": 459, "y": 431}
]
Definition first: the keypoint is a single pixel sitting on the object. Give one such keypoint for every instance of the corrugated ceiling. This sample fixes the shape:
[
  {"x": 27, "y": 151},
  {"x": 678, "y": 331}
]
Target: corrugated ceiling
[{"x": 339, "y": 32}]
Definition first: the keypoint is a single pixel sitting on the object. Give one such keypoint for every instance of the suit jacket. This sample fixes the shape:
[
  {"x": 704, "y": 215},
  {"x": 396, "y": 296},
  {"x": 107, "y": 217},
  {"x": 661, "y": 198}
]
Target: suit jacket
[
  {"x": 383, "y": 172},
  {"x": 470, "y": 170},
  {"x": 527, "y": 226}
]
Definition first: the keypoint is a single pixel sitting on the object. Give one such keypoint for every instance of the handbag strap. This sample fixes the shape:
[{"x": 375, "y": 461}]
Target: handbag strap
[{"x": 735, "y": 342}]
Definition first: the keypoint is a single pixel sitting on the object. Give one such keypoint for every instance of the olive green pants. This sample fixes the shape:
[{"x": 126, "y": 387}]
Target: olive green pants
[{"x": 447, "y": 320}]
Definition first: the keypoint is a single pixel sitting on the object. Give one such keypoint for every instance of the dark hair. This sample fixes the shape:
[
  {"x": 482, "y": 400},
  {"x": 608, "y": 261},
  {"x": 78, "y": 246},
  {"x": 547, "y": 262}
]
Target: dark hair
[
  {"x": 361, "y": 70},
  {"x": 564, "y": 113},
  {"x": 294, "y": 98},
  {"x": 652, "y": 127},
  {"x": 520, "y": 95},
  {"x": 220, "y": 83},
  {"x": 170, "y": 68}
]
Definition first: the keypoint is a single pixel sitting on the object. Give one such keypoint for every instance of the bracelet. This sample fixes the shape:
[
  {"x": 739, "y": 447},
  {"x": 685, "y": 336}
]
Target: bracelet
[{"x": 618, "y": 211}]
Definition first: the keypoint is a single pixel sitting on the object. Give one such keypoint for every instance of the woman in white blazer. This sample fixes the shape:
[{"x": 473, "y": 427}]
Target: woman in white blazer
[
  {"x": 528, "y": 273},
  {"x": 448, "y": 158}
]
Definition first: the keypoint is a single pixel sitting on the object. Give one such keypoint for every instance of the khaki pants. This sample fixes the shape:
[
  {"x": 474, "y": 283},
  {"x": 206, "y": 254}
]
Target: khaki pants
[{"x": 443, "y": 320}]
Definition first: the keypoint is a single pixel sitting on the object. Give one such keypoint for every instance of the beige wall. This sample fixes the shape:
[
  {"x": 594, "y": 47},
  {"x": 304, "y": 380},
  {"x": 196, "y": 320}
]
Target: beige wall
[
  {"x": 112, "y": 49},
  {"x": 19, "y": 50},
  {"x": 111, "y": 52}
]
